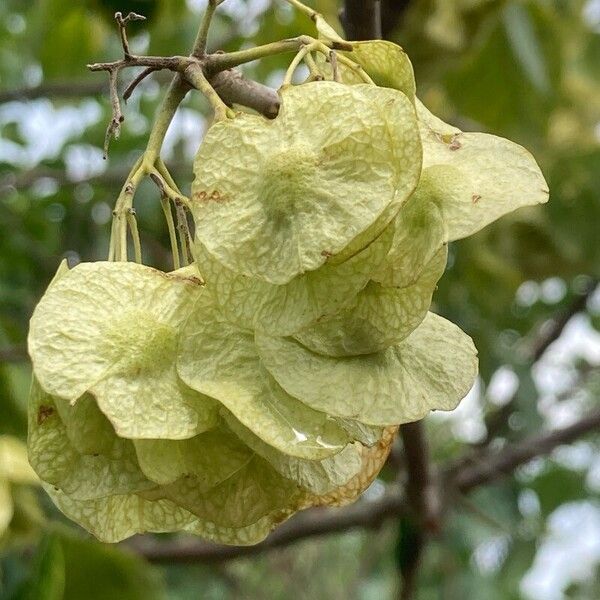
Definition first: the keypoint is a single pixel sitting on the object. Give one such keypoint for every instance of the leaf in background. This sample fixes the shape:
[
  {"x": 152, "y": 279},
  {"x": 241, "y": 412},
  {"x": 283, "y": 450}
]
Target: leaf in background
[
  {"x": 47, "y": 580},
  {"x": 71, "y": 568},
  {"x": 526, "y": 47},
  {"x": 67, "y": 36}
]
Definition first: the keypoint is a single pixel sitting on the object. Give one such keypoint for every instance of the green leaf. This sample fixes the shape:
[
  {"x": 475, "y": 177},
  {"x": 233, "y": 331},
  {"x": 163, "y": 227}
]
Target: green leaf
[
  {"x": 275, "y": 199},
  {"x": 433, "y": 369},
  {"x": 97, "y": 572},
  {"x": 69, "y": 568},
  {"x": 6, "y": 506},
  {"x": 47, "y": 581},
  {"x": 521, "y": 33},
  {"x": 14, "y": 466}
]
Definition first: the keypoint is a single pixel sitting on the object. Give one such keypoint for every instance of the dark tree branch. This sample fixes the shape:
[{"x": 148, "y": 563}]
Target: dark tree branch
[
  {"x": 464, "y": 477},
  {"x": 423, "y": 501},
  {"x": 546, "y": 336},
  {"x": 492, "y": 466},
  {"x": 392, "y": 14},
  {"x": 361, "y": 19},
  {"x": 421, "y": 492},
  {"x": 13, "y": 354},
  {"x": 552, "y": 330},
  {"x": 310, "y": 523}
]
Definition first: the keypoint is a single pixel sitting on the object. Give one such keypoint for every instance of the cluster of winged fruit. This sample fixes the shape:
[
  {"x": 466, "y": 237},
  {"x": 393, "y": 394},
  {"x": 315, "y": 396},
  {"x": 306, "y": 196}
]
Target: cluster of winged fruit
[{"x": 271, "y": 375}]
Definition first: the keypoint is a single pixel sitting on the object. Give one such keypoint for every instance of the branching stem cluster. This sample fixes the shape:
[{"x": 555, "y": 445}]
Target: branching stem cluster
[{"x": 215, "y": 77}]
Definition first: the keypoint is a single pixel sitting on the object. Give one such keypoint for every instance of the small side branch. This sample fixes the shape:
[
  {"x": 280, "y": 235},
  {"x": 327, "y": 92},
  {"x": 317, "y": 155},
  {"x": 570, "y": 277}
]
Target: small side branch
[
  {"x": 199, "y": 49},
  {"x": 122, "y": 23},
  {"x": 114, "y": 126},
  {"x": 491, "y": 466},
  {"x": 131, "y": 87},
  {"x": 550, "y": 334},
  {"x": 497, "y": 421}
]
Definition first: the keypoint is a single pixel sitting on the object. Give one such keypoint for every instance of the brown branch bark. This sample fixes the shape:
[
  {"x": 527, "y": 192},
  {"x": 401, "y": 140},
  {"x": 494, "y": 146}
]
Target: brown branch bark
[
  {"x": 463, "y": 477},
  {"x": 234, "y": 88}
]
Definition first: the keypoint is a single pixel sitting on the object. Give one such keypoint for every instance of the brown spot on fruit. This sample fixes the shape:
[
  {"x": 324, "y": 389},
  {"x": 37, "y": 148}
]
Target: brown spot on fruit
[
  {"x": 455, "y": 145},
  {"x": 214, "y": 196},
  {"x": 476, "y": 198},
  {"x": 326, "y": 253},
  {"x": 44, "y": 412},
  {"x": 451, "y": 140}
]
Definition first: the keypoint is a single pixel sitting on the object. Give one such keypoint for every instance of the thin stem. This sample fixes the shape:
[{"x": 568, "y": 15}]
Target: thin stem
[
  {"x": 310, "y": 12},
  {"x": 166, "y": 206},
  {"x": 334, "y": 66},
  {"x": 162, "y": 169},
  {"x": 221, "y": 62},
  {"x": 183, "y": 232},
  {"x": 139, "y": 78},
  {"x": 122, "y": 224},
  {"x": 122, "y": 23},
  {"x": 313, "y": 68},
  {"x": 173, "y": 98},
  {"x": 135, "y": 235},
  {"x": 118, "y": 242},
  {"x": 196, "y": 77},
  {"x": 111, "y": 245},
  {"x": 114, "y": 126},
  {"x": 356, "y": 68},
  {"x": 199, "y": 49},
  {"x": 287, "y": 80}
]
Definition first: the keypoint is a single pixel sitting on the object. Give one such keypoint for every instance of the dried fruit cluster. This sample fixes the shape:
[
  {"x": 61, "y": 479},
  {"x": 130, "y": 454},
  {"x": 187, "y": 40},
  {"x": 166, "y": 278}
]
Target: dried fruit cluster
[{"x": 271, "y": 375}]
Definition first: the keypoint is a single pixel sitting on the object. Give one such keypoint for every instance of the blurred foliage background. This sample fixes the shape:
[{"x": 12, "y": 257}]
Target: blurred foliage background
[{"x": 525, "y": 69}]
